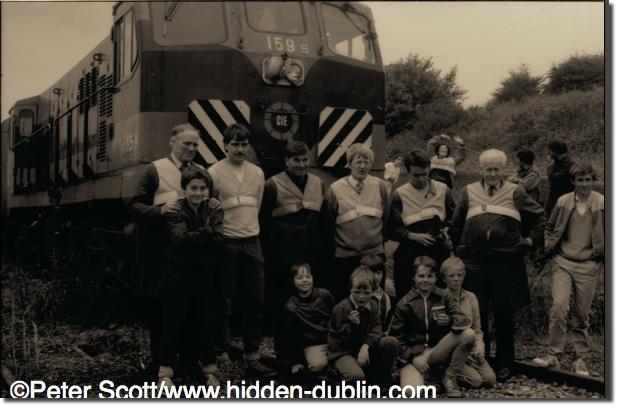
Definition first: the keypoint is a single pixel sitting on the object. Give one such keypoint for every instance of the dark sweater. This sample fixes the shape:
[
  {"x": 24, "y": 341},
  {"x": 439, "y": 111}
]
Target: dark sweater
[
  {"x": 307, "y": 322},
  {"x": 497, "y": 233},
  {"x": 196, "y": 237},
  {"x": 346, "y": 337},
  {"x": 559, "y": 179}
]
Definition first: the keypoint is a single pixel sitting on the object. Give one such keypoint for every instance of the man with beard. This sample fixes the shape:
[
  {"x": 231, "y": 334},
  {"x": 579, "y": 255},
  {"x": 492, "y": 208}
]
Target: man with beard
[{"x": 240, "y": 185}]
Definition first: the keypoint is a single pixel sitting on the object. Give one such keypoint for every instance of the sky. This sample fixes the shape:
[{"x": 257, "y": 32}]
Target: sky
[{"x": 484, "y": 40}]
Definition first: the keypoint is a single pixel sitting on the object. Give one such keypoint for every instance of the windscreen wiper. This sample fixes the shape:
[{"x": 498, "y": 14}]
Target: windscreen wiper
[{"x": 172, "y": 10}]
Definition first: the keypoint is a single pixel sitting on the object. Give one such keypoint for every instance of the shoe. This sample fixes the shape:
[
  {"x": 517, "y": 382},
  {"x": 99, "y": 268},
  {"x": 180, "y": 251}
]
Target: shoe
[
  {"x": 166, "y": 381},
  {"x": 209, "y": 374},
  {"x": 548, "y": 361},
  {"x": 503, "y": 374},
  {"x": 258, "y": 369},
  {"x": 165, "y": 374},
  {"x": 580, "y": 368},
  {"x": 450, "y": 386}
]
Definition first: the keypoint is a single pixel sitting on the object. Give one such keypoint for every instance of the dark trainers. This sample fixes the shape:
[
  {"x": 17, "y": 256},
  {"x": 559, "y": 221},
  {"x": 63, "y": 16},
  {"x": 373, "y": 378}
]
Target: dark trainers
[
  {"x": 547, "y": 361},
  {"x": 503, "y": 374},
  {"x": 450, "y": 386},
  {"x": 580, "y": 367},
  {"x": 258, "y": 369}
]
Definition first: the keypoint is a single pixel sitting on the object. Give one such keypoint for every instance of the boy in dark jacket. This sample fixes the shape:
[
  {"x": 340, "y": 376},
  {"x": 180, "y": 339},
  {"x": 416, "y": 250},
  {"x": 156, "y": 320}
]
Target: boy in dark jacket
[
  {"x": 306, "y": 319},
  {"x": 431, "y": 329},
  {"x": 196, "y": 235},
  {"x": 355, "y": 341},
  {"x": 379, "y": 295}
]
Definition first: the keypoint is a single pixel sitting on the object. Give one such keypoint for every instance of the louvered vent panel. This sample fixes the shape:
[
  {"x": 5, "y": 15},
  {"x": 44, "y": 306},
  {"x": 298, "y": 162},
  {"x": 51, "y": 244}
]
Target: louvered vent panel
[
  {"x": 101, "y": 153},
  {"x": 82, "y": 94},
  {"x": 105, "y": 96}
]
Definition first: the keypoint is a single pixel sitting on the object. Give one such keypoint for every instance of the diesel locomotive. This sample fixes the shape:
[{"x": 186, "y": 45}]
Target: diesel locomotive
[{"x": 310, "y": 71}]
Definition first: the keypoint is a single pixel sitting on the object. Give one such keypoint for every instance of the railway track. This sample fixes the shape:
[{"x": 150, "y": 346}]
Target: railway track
[{"x": 549, "y": 376}]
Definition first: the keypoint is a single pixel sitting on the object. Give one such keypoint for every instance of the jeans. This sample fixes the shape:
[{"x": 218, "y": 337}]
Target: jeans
[
  {"x": 244, "y": 273},
  {"x": 381, "y": 356},
  {"x": 476, "y": 374},
  {"x": 187, "y": 317},
  {"x": 581, "y": 277},
  {"x": 454, "y": 348}
]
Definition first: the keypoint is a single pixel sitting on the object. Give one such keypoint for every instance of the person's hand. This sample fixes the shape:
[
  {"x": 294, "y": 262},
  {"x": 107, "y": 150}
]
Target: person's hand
[
  {"x": 422, "y": 238},
  {"x": 477, "y": 355},
  {"x": 363, "y": 358},
  {"x": 420, "y": 364},
  {"x": 442, "y": 319},
  {"x": 170, "y": 207},
  {"x": 213, "y": 203},
  {"x": 354, "y": 316},
  {"x": 296, "y": 368}
]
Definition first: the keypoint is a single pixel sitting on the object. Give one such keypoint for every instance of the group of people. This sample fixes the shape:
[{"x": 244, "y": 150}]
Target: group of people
[{"x": 456, "y": 262}]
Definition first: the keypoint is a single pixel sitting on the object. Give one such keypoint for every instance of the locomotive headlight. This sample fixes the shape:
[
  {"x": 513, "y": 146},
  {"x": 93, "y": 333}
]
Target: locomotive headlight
[
  {"x": 294, "y": 73},
  {"x": 272, "y": 67}
]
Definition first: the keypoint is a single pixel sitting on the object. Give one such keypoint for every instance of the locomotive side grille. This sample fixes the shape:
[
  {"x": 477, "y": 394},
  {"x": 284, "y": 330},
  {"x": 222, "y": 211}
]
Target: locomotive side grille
[
  {"x": 101, "y": 153},
  {"x": 105, "y": 97},
  {"x": 94, "y": 75},
  {"x": 81, "y": 94}
]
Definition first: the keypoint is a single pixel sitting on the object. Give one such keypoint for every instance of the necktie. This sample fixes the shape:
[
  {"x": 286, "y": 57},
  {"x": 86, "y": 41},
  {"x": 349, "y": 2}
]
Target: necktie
[
  {"x": 184, "y": 166},
  {"x": 492, "y": 190},
  {"x": 359, "y": 187}
]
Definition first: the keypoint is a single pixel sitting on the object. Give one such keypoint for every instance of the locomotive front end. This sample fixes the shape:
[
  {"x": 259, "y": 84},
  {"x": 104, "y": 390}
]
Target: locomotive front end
[{"x": 288, "y": 70}]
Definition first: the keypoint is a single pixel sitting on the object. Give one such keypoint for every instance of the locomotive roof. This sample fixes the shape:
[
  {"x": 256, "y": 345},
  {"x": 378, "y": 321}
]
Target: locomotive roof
[{"x": 358, "y": 5}]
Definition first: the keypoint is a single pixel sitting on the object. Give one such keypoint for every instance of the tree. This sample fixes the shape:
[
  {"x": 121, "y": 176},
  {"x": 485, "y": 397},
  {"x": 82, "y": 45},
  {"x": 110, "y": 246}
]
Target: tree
[
  {"x": 518, "y": 85},
  {"x": 578, "y": 72},
  {"x": 419, "y": 97}
]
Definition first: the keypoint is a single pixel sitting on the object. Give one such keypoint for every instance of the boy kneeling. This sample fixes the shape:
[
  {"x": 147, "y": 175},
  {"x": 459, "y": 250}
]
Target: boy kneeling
[
  {"x": 355, "y": 341},
  {"x": 196, "y": 231},
  {"x": 431, "y": 329}
]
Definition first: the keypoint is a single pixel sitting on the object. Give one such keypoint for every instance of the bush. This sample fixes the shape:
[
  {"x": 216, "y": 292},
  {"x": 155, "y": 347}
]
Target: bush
[
  {"x": 420, "y": 97},
  {"x": 575, "y": 117},
  {"x": 578, "y": 72}
]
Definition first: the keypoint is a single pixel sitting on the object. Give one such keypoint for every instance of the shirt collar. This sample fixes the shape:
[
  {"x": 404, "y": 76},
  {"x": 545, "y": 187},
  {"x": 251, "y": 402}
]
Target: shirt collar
[
  {"x": 176, "y": 161},
  {"x": 486, "y": 187},
  {"x": 378, "y": 294},
  {"x": 367, "y": 305},
  {"x": 353, "y": 182}
]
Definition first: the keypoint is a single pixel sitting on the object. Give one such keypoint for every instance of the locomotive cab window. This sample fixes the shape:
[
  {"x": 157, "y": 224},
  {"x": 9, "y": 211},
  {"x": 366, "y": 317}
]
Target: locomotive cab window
[
  {"x": 348, "y": 33},
  {"x": 125, "y": 46},
  {"x": 25, "y": 123},
  {"x": 187, "y": 23},
  {"x": 282, "y": 18}
]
